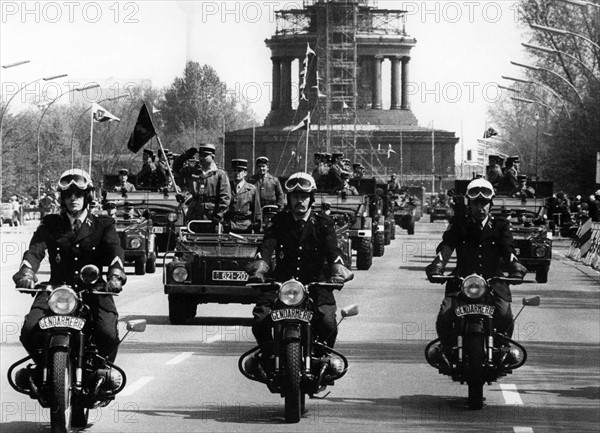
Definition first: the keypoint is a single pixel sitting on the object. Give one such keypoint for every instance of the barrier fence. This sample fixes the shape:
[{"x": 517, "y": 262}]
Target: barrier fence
[{"x": 585, "y": 247}]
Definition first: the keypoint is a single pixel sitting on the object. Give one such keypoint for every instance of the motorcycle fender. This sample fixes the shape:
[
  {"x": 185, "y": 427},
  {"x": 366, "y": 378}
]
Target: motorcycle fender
[
  {"x": 60, "y": 340},
  {"x": 291, "y": 332}
]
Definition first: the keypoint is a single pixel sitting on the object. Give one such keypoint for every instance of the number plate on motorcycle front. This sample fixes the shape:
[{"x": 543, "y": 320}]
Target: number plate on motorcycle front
[
  {"x": 158, "y": 229},
  {"x": 229, "y": 276},
  {"x": 61, "y": 322},
  {"x": 291, "y": 314},
  {"x": 463, "y": 310}
]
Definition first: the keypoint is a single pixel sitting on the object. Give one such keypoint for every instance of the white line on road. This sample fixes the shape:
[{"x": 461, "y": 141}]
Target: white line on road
[
  {"x": 510, "y": 394},
  {"x": 136, "y": 386},
  {"x": 179, "y": 358},
  {"x": 523, "y": 429}
]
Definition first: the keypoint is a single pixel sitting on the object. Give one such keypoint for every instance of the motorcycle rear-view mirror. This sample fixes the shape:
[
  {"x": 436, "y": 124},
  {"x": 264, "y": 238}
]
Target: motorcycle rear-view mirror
[
  {"x": 350, "y": 310},
  {"x": 533, "y": 301},
  {"x": 138, "y": 325}
]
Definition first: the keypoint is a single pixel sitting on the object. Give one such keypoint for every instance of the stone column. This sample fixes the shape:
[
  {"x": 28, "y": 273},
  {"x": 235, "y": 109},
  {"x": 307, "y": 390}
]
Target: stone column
[
  {"x": 405, "y": 104},
  {"x": 395, "y": 83},
  {"x": 276, "y": 97},
  {"x": 286, "y": 84},
  {"x": 376, "y": 98}
]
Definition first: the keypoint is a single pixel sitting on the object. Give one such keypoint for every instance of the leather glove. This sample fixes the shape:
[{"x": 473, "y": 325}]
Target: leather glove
[
  {"x": 25, "y": 278},
  {"x": 114, "y": 285},
  {"x": 516, "y": 270},
  {"x": 433, "y": 271},
  {"x": 257, "y": 270},
  {"x": 340, "y": 274}
]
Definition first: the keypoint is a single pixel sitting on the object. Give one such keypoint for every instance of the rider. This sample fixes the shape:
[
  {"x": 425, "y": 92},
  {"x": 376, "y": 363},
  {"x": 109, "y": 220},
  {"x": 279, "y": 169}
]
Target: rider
[
  {"x": 74, "y": 238},
  {"x": 302, "y": 241},
  {"x": 482, "y": 242}
]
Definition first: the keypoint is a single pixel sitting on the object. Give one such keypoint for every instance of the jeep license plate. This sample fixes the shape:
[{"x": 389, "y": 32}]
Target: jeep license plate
[
  {"x": 158, "y": 229},
  {"x": 291, "y": 314},
  {"x": 229, "y": 276},
  {"x": 463, "y": 310},
  {"x": 61, "y": 322}
]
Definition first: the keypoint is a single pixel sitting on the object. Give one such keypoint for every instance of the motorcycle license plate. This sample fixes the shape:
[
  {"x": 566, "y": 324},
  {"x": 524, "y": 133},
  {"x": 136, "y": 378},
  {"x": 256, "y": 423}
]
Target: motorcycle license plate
[
  {"x": 158, "y": 229},
  {"x": 463, "y": 310},
  {"x": 291, "y": 314},
  {"x": 61, "y": 322},
  {"x": 229, "y": 276}
]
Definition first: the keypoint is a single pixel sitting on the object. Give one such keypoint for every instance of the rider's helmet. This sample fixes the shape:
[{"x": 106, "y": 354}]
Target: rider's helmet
[
  {"x": 301, "y": 182},
  {"x": 480, "y": 190},
  {"x": 76, "y": 179}
]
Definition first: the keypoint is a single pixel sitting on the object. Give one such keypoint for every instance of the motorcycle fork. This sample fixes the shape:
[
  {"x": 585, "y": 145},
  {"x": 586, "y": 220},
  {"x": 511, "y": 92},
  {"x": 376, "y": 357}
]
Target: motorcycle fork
[
  {"x": 459, "y": 339},
  {"x": 46, "y": 358},
  {"x": 489, "y": 322},
  {"x": 307, "y": 345},
  {"x": 79, "y": 361}
]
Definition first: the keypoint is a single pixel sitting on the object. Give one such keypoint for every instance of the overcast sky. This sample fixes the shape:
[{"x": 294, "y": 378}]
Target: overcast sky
[{"x": 462, "y": 49}]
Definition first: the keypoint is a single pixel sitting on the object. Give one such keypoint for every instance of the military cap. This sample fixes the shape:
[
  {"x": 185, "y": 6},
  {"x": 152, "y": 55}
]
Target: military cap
[
  {"x": 336, "y": 155},
  {"x": 149, "y": 152},
  {"x": 207, "y": 148},
  {"x": 357, "y": 165},
  {"x": 513, "y": 160},
  {"x": 239, "y": 164},
  {"x": 318, "y": 155},
  {"x": 262, "y": 160},
  {"x": 124, "y": 171},
  {"x": 159, "y": 152},
  {"x": 495, "y": 159},
  {"x": 326, "y": 156},
  {"x": 522, "y": 177}
]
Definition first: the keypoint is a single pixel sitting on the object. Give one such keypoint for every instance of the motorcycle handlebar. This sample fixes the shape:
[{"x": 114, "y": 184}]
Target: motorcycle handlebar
[
  {"x": 509, "y": 280},
  {"x": 275, "y": 285}
]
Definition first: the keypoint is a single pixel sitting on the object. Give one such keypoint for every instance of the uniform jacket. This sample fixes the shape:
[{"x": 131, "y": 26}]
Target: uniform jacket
[
  {"x": 508, "y": 184},
  {"x": 147, "y": 175},
  {"x": 334, "y": 178},
  {"x": 269, "y": 189},
  {"x": 244, "y": 210},
  {"x": 480, "y": 251},
  {"x": 128, "y": 187},
  {"x": 300, "y": 255},
  {"x": 211, "y": 191},
  {"x": 96, "y": 242}
]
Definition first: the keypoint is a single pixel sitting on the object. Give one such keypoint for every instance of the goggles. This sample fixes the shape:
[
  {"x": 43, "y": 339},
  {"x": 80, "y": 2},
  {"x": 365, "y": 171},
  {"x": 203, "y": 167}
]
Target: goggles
[
  {"x": 298, "y": 184},
  {"x": 76, "y": 180},
  {"x": 480, "y": 192}
]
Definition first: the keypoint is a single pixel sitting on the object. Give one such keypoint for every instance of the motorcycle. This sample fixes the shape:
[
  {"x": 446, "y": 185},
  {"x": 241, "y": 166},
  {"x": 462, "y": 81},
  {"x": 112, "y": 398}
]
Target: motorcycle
[
  {"x": 301, "y": 365},
  {"x": 71, "y": 377},
  {"x": 480, "y": 355}
]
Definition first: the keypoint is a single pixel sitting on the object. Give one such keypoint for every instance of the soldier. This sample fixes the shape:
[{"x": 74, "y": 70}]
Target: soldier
[
  {"x": 494, "y": 170},
  {"x": 208, "y": 185},
  {"x": 346, "y": 188},
  {"x": 524, "y": 191},
  {"x": 268, "y": 186},
  {"x": 146, "y": 178},
  {"x": 244, "y": 215},
  {"x": 124, "y": 186},
  {"x": 358, "y": 171},
  {"x": 334, "y": 178},
  {"x": 394, "y": 184},
  {"x": 509, "y": 184},
  {"x": 163, "y": 178}
]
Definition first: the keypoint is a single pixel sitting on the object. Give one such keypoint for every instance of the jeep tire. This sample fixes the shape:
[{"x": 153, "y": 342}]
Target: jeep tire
[
  {"x": 182, "y": 309},
  {"x": 364, "y": 254}
]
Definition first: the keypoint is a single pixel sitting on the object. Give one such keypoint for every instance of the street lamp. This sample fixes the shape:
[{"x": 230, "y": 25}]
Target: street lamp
[
  {"x": 554, "y": 51},
  {"x": 539, "y": 68},
  {"x": 563, "y": 32},
  {"x": 537, "y": 101},
  {"x": 76, "y": 89},
  {"x": 114, "y": 98},
  {"x": 545, "y": 86}
]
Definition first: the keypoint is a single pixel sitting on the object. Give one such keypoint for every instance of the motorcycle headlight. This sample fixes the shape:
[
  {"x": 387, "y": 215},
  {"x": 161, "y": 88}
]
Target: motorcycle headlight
[
  {"x": 63, "y": 300},
  {"x": 180, "y": 274},
  {"x": 135, "y": 243},
  {"x": 172, "y": 217},
  {"x": 474, "y": 287},
  {"x": 539, "y": 251},
  {"x": 292, "y": 293}
]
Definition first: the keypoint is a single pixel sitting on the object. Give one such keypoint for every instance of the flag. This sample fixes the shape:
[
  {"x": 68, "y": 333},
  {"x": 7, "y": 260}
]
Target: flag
[
  {"x": 303, "y": 124},
  {"x": 100, "y": 115},
  {"x": 490, "y": 132},
  {"x": 142, "y": 132},
  {"x": 390, "y": 151},
  {"x": 304, "y": 72}
]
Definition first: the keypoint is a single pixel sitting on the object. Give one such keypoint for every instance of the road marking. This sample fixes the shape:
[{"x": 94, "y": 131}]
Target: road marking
[
  {"x": 510, "y": 394},
  {"x": 523, "y": 429},
  {"x": 135, "y": 386},
  {"x": 179, "y": 358}
]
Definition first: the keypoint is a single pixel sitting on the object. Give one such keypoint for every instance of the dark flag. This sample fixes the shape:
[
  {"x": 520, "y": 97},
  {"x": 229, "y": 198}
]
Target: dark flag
[
  {"x": 490, "y": 132},
  {"x": 143, "y": 131}
]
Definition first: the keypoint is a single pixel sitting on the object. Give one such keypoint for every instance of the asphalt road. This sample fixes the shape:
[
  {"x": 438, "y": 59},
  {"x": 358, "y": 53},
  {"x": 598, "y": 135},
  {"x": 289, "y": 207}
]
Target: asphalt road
[{"x": 185, "y": 378}]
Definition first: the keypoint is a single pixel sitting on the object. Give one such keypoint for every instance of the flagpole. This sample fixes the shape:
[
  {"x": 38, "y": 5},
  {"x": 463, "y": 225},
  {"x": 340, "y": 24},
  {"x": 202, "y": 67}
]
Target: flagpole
[
  {"x": 432, "y": 158},
  {"x": 177, "y": 190},
  {"x": 253, "y": 148},
  {"x": 91, "y": 141},
  {"x": 306, "y": 150},
  {"x": 401, "y": 159}
]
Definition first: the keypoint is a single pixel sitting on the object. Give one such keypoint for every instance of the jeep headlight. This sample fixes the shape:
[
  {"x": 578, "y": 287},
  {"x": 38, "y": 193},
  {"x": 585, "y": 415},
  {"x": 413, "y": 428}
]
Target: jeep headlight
[
  {"x": 135, "y": 243},
  {"x": 172, "y": 217},
  {"x": 180, "y": 274},
  {"x": 63, "y": 300},
  {"x": 539, "y": 251},
  {"x": 474, "y": 287},
  {"x": 292, "y": 293}
]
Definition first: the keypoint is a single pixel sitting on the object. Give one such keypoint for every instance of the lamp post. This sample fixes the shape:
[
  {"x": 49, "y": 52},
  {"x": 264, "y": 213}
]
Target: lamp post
[
  {"x": 538, "y": 68},
  {"x": 76, "y": 89},
  {"x": 114, "y": 98},
  {"x": 558, "y": 52},
  {"x": 563, "y": 32},
  {"x": 545, "y": 86},
  {"x": 536, "y": 101}
]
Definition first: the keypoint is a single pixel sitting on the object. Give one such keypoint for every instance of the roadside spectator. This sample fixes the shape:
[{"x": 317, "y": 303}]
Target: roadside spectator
[{"x": 16, "y": 207}]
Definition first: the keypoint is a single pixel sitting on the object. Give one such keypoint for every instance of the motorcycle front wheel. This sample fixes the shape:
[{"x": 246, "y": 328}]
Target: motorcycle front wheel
[
  {"x": 293, "y": 375},
  {"x": 476, "y": 352},
  {"x": 62, "y": 378}
]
